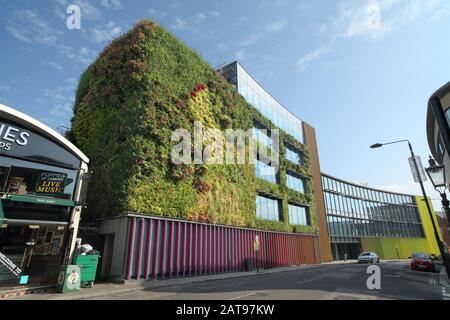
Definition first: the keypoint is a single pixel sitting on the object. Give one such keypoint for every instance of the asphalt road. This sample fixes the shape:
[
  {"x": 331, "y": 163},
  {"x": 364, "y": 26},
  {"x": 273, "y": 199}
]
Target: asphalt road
[{"x": 323, "y": 282}]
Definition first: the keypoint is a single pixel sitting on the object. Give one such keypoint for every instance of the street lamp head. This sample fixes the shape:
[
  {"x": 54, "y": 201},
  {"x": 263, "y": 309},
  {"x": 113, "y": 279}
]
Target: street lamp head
[
  {"x": 437, "y": 175},
  {"x": 376, "y": 145},
  {"x": 432, "y": 162}
]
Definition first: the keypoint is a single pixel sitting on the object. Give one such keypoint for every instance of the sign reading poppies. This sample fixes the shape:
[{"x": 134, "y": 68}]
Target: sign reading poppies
[
  {"x": 11, "y": 136},
  {"x": 51, "y": 183}
]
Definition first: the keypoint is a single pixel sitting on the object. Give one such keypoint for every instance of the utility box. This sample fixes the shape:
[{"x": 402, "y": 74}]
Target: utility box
[{"x": 69, "y": 279}]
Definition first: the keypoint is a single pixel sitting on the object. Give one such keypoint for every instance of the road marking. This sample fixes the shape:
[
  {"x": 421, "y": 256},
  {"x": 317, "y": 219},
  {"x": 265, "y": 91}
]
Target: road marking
[
  {"x": 393, "y": 275},
  {"x": 306, "y": 281},
  {"x": 445, "y": 295},
  {"x": 244, "y": 295}
]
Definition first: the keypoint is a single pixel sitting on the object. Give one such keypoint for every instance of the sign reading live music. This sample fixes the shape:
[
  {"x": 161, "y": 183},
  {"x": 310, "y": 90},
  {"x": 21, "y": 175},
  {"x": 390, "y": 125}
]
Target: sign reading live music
[{"x": 51, "y": 183}]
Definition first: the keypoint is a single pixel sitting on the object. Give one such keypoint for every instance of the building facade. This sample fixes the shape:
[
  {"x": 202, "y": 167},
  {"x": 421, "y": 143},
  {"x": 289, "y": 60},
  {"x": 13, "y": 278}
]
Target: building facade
[
  {"x": 438, "y": 127},
  {"x": 365, "y": 219},
  {"x": 43, "y": 179},
  {"x": 444, "y": 227},
  {"x": 304, "y": 134},
  {"x": 160, "y": 218},
  {"x": 160, "y": 247}
]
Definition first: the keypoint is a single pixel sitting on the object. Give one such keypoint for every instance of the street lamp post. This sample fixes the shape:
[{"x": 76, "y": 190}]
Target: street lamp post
[{"x": 420, "y": 180}]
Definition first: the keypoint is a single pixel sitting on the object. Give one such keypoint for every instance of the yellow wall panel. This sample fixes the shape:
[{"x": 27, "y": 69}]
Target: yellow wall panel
[{"x": 401, "y": 248}]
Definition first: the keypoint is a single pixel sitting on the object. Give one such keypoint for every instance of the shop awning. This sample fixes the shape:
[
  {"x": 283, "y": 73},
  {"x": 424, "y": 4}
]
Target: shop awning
[
  {"x": 20, "y": 222},
  {"x": 41, "y": 200}
]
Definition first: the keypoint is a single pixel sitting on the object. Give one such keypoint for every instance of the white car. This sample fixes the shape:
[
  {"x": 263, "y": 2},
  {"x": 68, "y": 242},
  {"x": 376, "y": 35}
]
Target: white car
[{"x": 368, "y": 257}]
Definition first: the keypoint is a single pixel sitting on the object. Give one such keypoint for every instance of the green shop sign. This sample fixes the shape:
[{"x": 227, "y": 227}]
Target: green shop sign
[{"x": 41, "y": 200}]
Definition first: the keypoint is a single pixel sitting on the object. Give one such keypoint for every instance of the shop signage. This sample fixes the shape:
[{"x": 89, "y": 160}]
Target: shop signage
[
  {"x": 21, "y": 142},
  {"x": 40, "y": 200},
  {"x": 51, "y": 183},
  {"x": 10, "y": 265},
  {"x": 10, "y": 136}
]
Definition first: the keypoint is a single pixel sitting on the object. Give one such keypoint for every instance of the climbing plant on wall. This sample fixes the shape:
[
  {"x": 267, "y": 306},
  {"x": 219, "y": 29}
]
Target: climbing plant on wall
[{"x": 142, "y": 87}]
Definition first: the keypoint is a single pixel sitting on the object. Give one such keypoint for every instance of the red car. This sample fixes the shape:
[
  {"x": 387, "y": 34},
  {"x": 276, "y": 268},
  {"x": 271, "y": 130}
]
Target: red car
[{"x": 422, "y": 261}]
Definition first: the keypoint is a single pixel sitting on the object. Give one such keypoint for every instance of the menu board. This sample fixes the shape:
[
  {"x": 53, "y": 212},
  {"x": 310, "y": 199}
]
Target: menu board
[{"x": 51, "y": 183}]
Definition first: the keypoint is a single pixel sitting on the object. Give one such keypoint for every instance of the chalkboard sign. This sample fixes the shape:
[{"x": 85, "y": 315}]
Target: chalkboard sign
[{"x": 51, "y": 183}]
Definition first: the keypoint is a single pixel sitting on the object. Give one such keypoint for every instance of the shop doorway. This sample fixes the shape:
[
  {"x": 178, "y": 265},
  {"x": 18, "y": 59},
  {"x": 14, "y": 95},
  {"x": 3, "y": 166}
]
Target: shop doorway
[{"x": 36, "y": 250}]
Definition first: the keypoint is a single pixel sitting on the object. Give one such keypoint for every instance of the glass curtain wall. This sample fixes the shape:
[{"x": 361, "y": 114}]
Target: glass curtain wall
[
  {"x": 357, "y": 211},
  {"x": 263, "y": 101}
]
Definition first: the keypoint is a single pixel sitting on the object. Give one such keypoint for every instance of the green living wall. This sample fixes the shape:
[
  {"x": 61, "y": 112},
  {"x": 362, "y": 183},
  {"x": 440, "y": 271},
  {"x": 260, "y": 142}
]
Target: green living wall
[{"x": 143, "y": 86}]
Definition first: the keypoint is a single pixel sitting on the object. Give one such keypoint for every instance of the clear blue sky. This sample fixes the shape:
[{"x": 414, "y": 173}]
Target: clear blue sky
[{"x": 355, "y": 84}]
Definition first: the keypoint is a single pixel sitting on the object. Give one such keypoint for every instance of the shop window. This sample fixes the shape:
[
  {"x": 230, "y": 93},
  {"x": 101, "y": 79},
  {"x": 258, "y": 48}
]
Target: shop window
[
  {"x": 3, "y": 177},
  {"x": 35, "y": 182}
]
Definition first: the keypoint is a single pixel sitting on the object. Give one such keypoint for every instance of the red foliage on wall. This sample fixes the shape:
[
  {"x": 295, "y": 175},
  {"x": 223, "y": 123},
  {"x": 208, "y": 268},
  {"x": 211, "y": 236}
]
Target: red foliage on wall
[{"x": 198, "y": 88}]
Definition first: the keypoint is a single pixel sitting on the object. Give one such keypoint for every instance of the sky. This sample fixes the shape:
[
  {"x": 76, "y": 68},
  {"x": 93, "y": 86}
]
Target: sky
[{"x": 358, "y": 71}]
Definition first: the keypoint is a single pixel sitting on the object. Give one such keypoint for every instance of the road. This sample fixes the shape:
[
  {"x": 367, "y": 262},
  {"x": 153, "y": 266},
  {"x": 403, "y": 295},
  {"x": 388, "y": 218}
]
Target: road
[{"x": 323, "y": 282}]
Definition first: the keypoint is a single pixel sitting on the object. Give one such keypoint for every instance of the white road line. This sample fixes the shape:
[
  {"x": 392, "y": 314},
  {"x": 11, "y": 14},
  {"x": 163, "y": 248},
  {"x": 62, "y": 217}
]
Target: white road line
[
  {"x": 306, "y": 281},
  {"x": 445, "y": 295},
  {"x": 243, "y": 296}
]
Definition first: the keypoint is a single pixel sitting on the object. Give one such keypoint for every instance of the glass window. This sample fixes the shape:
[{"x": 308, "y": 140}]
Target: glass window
[
  {"x": 294, "y": 183},
  {"x": 447, "y": 115},
  {"x": 34, "y": 179},
  {"x": 3, "y": 177},
  {"x": 298, "y": 215},
  {"x": 293, "y": 156},
  {"x": 267, "y": 209},
  {"x": 265, "y": 172},
  {"x": 340, "y": 226},
  {"x": 325, "y": 183},
  {"x": 330, "y": 220},
  {"x": 262, "y": 137}
]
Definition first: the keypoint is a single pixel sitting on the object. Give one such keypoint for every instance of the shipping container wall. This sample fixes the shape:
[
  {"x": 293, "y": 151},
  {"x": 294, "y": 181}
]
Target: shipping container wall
[{"x": 158, "y": 248}]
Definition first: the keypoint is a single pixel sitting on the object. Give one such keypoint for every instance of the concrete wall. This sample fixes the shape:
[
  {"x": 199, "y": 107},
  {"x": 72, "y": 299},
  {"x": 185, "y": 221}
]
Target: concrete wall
[{"x": 115, "y": 250}]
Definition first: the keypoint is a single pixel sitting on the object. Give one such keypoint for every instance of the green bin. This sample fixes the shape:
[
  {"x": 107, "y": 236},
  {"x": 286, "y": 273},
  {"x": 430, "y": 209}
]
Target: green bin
[
  {"x": 68, "y": 279},
  {"x": 88, "y": 266}
]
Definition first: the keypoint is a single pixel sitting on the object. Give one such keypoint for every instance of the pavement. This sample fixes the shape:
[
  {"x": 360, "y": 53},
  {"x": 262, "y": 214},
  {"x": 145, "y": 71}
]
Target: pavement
[
  {"x": 331, "y": 281},
  {"x": 105, "y": 289},
  {"x": 444, "y": 281}
]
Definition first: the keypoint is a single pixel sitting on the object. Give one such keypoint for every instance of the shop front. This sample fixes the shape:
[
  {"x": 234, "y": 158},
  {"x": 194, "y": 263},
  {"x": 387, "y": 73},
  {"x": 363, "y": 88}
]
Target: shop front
[{"x": 43, "y": 178}]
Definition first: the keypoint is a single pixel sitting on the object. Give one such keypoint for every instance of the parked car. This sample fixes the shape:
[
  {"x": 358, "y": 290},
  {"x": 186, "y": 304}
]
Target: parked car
[
  {"x": 368, "y": 257},
  {"x": 423, "y": 261}
]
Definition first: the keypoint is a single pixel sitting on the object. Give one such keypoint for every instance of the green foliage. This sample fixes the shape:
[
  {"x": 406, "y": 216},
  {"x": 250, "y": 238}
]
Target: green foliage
[{"x": 143, "y": 86}]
